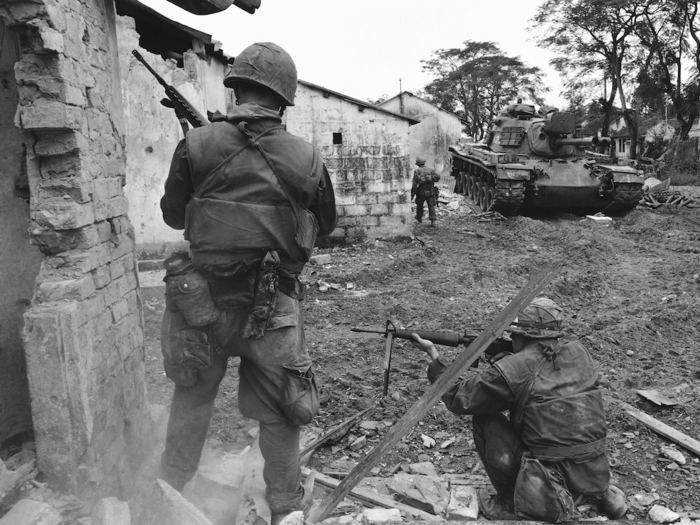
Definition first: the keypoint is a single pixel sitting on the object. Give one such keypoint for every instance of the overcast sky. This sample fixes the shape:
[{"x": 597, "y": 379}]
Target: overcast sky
[{"x": 362, "y": 47}]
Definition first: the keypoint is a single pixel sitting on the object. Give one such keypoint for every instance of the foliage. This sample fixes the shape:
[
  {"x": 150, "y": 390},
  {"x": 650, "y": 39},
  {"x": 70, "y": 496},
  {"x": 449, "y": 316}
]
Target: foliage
[
  {"x": 377, "y": 101},
  {"x": 593, "y": 39},
  {"x": 477, "y": 80}
]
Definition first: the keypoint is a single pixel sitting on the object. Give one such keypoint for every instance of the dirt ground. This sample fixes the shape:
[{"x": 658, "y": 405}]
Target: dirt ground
[{"x": 631, "y": 294}]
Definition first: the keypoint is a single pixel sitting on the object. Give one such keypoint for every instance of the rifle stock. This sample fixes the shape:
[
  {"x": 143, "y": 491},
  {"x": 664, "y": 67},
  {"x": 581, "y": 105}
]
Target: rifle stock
[{"x": 183, "y": 108}]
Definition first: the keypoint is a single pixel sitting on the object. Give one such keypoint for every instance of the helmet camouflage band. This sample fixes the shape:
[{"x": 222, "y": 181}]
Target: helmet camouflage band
[
  {"x": 268, "y": 65},
  {"x": 542, "y": 318},
  {"x": 420, "y": 161}
]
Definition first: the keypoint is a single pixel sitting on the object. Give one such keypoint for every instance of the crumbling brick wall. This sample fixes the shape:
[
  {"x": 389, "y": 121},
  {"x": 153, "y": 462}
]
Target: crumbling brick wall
[
  {"x": 83, "y": 333},
  {"x": 152, "y": 130},
  {"x": 369, "y": 162}
]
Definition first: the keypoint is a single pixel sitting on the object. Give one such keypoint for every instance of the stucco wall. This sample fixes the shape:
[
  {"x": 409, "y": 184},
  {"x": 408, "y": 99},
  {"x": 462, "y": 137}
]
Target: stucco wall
[
  {"x": 83, "y": 332},
  {"x": 371, "y": 169},
  {"x": 437, "y": 131},
  {"x": 152, "y": 130},
  {"x": 19, "y": 260}
]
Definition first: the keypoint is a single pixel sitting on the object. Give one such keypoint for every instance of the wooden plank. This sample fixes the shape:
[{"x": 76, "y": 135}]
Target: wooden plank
[
  {"x": 371, "y": 499},
  {"x": 662, "y": 428},
  {"x": 334, "y": 433},
  {"x": 435, "y": 391}
]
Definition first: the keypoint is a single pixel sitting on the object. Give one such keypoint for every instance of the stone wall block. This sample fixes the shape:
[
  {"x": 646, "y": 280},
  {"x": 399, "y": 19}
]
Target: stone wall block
[
  {"x": 64, "y": 215},
  {"x": 30, "y": 512},
  {"x": 124, "y": 245},
  {"x": 47, "y": 114},
  {"x": 102, "y": 276},
  {"x": 58, "y": 395},
  {"x": 63, "y": 167},
  {"x": 68, "y": 189},
  {"x": 45, "y": 39},
  {"x": 52, "y": 143},
  {"x": 108, "y": 208},
  {"x": 53, "y": 242},
  {"x": 104, "y": 230},
  {"x": 90, "y": 310},
  {"x": 95, "y": 254},
  {"x": 67, "y": 290},
  {"x": 106, "y": 188}
]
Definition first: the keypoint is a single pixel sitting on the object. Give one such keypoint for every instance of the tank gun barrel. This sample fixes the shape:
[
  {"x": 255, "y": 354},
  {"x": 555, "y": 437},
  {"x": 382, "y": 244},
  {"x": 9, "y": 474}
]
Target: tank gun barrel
[{"x": 583, "y": 142}]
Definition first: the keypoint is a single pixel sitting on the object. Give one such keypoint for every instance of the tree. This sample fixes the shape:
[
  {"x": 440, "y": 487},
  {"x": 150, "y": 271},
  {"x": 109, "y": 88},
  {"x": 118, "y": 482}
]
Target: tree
[
  {"x": 593, "y": 37},
  {"x": 377, "y": 101},
  {"x": 669, "y": 31},
  {"x": 476, "y": 81}
]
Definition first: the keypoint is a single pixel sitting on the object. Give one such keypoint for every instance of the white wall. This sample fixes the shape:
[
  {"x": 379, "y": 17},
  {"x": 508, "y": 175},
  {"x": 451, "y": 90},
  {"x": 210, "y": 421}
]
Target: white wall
[
  {"x": 437, "y": 131},
  {"x": 371, "y": 170}
]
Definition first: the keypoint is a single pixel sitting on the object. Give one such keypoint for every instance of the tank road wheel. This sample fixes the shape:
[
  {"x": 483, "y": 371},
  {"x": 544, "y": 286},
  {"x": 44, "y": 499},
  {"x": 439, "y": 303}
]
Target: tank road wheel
[
  {"x": 477, "y": 190},
  {"x": 472, "y": 185},
  {"x": 486, "y": 197}
]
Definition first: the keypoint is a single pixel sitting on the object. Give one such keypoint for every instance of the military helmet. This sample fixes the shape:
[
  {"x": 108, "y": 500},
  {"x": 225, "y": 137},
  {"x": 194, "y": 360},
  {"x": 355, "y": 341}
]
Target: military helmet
[
  {"x": 541, "y": 319},
  {"x": 268, "y": 65},
  {"x": 420, "y": 161}
]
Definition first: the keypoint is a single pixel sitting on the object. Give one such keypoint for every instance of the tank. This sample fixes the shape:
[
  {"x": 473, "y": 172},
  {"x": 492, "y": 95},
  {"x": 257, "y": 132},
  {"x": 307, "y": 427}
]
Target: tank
[{"x": 532, "y": 161}]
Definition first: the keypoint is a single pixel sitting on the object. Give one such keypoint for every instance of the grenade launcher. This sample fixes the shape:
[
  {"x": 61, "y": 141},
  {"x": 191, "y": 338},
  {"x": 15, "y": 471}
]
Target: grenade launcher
[{"x": 499, "y": 346}]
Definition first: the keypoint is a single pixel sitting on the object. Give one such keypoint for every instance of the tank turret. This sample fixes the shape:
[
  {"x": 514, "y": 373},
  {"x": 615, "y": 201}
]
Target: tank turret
[{"x": 535, "y": 160}]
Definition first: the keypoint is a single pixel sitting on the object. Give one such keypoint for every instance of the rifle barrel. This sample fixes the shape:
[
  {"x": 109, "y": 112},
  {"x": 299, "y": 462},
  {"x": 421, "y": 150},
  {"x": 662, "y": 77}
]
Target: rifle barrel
[{"x": 365, "y": 330}]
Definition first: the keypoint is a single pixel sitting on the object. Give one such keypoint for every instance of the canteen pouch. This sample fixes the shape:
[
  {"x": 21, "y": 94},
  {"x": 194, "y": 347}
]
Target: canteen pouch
[
  {"x": 189, "y": 294},
  {"x": 300, "y": 401},
  {"x": 541, "y": 494}
]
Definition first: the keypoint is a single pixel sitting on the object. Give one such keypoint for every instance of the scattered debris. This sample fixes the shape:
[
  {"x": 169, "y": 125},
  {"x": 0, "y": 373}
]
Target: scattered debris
[
  {"x": 663, "y": 429},
  {"x": 320, "y": 259},
  {"x": 463, "y": 505},
  {"x": 428, "y": 442},
  {"x": 661, "y": 514},
  {"x": 30, "y": 511},
  {"x": 599, "y": 220},
  {"x": 666, "y": 396},
  {"x": 380, "y": 516},
  {"x": 676, "y": 198},
  {"x": 674, "y": 455}
]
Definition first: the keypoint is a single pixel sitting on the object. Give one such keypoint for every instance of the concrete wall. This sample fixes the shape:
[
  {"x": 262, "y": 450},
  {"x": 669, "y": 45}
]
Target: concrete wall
[
  {"x": 371, "y": 170},
  {"x": 19, "y": 260},
  {"x": 152, "y": 130},
  {"x": 83, "y": 332},
  {"x": 437, "y": 131}
]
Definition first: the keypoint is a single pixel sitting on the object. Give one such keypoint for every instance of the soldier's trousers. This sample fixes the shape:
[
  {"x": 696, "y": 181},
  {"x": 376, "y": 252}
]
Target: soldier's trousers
[
  {"x": 420, "y": 200},
  {"x": 500, "y": 450},
  {"x": 267, "y": 366}
]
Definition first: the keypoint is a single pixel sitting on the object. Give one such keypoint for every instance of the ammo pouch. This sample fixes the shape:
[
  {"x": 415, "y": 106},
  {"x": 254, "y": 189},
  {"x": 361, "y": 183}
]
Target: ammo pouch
[
  {"x": 187, "y": 291},
  {"x": 541, "y": 493},
  {"x": 299, "y": 401}
]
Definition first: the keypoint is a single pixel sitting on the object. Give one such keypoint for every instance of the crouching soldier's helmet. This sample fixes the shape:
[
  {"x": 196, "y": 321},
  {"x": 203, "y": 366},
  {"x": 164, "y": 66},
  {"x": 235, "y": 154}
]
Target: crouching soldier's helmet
[
  {"x": 420, "y": 161},
  {"x": 268, "y": 65},
  {"x": 540, "y": 319}
]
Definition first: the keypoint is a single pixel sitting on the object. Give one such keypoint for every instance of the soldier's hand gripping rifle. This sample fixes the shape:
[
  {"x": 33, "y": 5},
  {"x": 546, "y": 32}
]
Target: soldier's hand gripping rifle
[
  {"x": 187, "y": 115},
  {"x": 499, "y": 346}
]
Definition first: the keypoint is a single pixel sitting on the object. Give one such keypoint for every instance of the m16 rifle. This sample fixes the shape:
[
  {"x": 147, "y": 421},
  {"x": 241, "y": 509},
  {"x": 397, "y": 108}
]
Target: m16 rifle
[
  {"x": 499, "y": 346},
  {"x": 186, "y": 113}
]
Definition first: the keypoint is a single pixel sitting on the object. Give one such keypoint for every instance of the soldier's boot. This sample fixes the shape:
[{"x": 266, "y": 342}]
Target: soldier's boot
[
  {"x": 419, "y": 219},
  {"x": 496, "y": 507},
  {"x": 612, "y": 503},
  {"x": 432, "y": 222}
]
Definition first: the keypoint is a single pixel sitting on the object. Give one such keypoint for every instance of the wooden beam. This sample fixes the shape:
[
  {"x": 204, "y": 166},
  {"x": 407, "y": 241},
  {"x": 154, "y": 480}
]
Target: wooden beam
[
  {"x": 335, "y": 433},
  {"x": 435, "y": 391},
  {"x": 663, "y": 429},
  {"x": 372, "y": 499}
]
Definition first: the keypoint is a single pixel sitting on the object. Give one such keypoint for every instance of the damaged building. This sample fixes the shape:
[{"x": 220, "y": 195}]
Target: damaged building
[
  {"x": 72, "y": 370},
  {"x": 437, "y": 131},
  {"x": 366, "y": 149}
]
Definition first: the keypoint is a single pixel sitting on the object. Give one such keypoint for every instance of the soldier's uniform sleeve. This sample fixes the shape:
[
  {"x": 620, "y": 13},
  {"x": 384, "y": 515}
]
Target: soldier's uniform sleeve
[
  {"x": 485, "y": 393},
  {"x": 436, "y": 177},
  {"x": 323, "y": 205},
  {"x": 178, "y": 189}
]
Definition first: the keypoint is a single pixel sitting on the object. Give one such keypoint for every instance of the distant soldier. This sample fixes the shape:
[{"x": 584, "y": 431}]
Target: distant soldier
[
  {"x": 424, "y": 190},
  {"x": 548, "y": 456}
]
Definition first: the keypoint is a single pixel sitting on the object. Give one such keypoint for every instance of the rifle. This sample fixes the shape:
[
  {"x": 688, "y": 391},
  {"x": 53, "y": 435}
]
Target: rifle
[
  {"x": 184, "y": 110},
  {"x": 499, "y": 346}
]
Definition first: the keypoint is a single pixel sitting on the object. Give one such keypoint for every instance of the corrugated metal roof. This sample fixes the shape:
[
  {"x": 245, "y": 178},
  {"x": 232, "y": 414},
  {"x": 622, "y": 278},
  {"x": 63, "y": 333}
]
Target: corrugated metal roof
[
  {"x": 358, "y": 102},
  {"x": 208, "y": 7}
]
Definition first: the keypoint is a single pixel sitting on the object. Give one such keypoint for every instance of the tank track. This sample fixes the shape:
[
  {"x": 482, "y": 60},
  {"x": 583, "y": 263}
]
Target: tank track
[
  {"x": 508, "y": 199},
  {"x": 626, "y": 198}
]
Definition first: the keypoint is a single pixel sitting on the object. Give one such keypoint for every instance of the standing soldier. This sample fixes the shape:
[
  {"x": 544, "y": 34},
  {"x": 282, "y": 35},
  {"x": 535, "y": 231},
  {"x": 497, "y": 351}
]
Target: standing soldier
[
  {"x": 251, "y": 199},
  {"x": 424, "y": 190}
]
